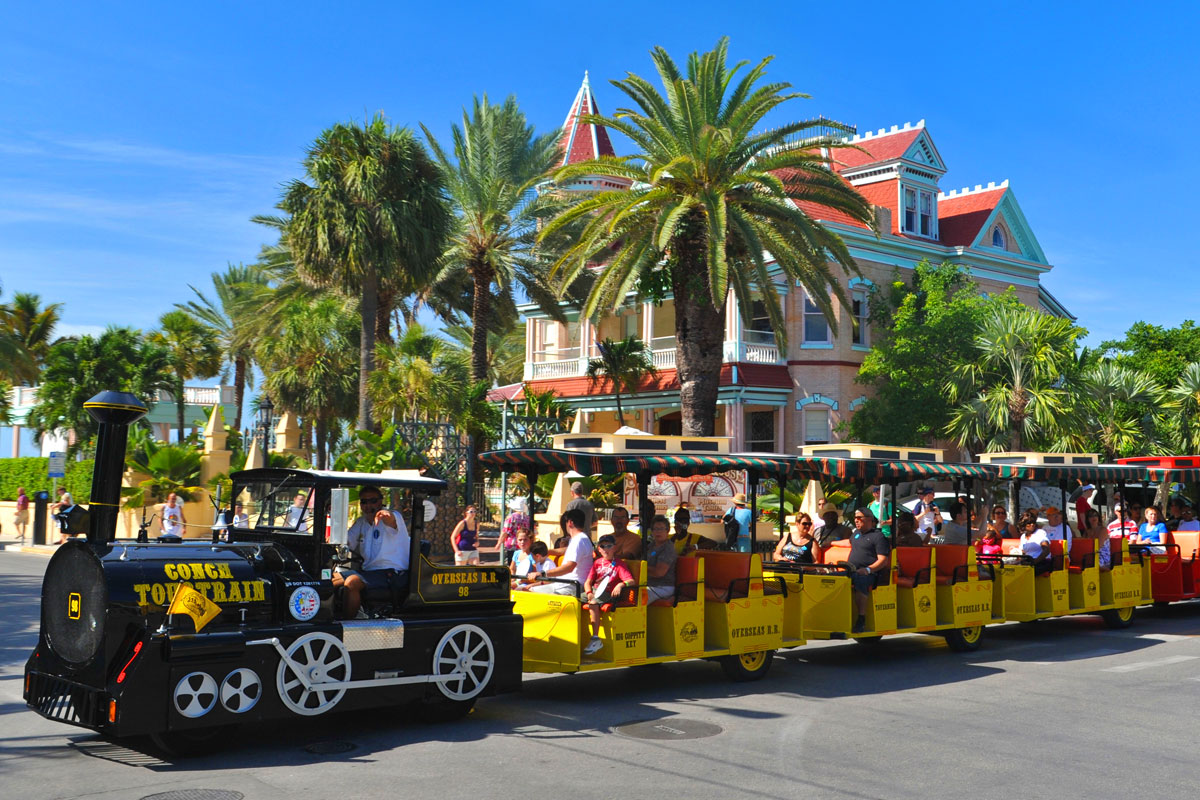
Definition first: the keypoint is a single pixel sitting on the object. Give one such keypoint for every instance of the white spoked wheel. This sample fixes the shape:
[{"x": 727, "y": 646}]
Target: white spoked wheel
[
  {"x": 467, "y": 650},
  {"x": 195, "y": 694},
  {"x": 241, "y": 690},
  {"x": 322, "y": 658}
]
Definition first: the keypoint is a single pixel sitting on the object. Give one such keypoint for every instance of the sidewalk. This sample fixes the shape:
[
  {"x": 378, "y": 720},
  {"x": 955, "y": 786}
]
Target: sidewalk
[{"x": 10, "y": 542}]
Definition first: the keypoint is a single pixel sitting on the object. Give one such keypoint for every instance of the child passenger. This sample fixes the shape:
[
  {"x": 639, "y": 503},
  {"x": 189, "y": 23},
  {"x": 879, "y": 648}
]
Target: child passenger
[
  {"x": 608, "y": 577},
  {"x": 989, "y": 543}
]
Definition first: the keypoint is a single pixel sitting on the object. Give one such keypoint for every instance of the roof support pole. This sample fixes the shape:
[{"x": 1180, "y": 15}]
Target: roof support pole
[
  {"x": 531, "y": 481},
  {"x": 754, "y": 476},
  {"x": 782, "y": 517},
  {"x": 645, "y": 510}
]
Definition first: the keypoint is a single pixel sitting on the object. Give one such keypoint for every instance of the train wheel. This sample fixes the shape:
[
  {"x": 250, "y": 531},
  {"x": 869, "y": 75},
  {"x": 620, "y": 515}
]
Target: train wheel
[
  {"x": 748, "y": 666},
  {"x": 965, "y": 640},
  {"x": 1117, "y": 617},
  {"x": 466, "y": 652},
  {"x": 189, "y": 744},
  {"x": 321, "y": 658}
]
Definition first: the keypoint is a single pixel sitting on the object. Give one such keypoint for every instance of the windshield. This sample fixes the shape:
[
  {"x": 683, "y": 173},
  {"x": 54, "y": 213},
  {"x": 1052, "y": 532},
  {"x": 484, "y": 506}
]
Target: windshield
[{"x": 284, "y": 505}]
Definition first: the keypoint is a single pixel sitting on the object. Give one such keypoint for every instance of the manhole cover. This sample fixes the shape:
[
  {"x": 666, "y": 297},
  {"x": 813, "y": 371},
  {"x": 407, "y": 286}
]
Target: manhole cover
[
  {"x": 670, "y": 728},
  {"x": 327, "y": 748},
  {"x": 196, "y": 794}
]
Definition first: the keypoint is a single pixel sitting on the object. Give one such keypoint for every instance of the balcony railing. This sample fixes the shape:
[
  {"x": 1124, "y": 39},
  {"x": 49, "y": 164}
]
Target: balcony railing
[
  {"x": 760, "y": 348},
  {"x": 200, "y": 395}
]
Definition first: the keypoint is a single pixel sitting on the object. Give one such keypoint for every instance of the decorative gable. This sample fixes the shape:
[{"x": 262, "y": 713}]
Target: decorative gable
[
  {"x": 923, "y": 152},
  {"x": 972, "y": 218}
]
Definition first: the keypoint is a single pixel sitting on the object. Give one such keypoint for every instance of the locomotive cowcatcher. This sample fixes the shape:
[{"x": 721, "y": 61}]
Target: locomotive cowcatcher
[{"x": 183, "y": 640}]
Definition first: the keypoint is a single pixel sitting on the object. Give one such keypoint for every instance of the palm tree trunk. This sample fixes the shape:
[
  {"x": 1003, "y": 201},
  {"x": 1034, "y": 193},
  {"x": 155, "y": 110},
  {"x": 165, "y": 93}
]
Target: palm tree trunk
[
  {"x": 322, "y": 436},
  {"x": 179, "y": 410},
  {"x": 366, "y": 353},
  {"x": 306, "y": 432},
  {"x": 239, "y": 390},
  {"x": 383, "y": 316},
  {"x": 620, "y": 416},
  {"x": 699, "y": 338},
  {"x": 480, "y": 312}
]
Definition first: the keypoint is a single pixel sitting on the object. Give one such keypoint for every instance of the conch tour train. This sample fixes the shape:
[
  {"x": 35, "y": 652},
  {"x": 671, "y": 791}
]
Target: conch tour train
[{"x": 182, "y": 641}]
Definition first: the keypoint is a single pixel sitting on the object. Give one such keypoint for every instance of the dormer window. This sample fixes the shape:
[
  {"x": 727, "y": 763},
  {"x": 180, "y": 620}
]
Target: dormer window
[
  {"x": 918, "y": 212},
  {"x": 998, "y": 239}
]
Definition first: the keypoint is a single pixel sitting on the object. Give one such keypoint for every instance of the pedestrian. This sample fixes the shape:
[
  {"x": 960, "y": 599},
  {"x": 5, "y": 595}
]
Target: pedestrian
[
  {"x": 172, "y": 517},
  {"x": 584, "y": 505},
  {"x": 739, "y": 514},
  {"x": 22, "y": 516},
  {"x": 464, "y": 539}
]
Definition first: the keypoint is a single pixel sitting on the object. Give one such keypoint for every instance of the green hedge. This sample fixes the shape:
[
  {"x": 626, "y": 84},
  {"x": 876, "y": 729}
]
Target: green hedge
[{"x": 31, "y": 473}]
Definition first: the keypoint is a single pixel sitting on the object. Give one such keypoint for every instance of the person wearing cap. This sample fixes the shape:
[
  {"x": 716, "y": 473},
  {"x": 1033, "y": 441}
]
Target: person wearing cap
[
  {"x": 833, "y": 530},
  {"x": 1057, "y": 529},
  {"x": 1122, "y": 525},
  {"x": 883, "y": 512},
  {"x": 927, "y": 514},
  {"x": 608, "y": 577},
  {"x": 584, "y": 505},
  {"x": 742, "y": 516},
  {"x": 1083, "y": 503}
]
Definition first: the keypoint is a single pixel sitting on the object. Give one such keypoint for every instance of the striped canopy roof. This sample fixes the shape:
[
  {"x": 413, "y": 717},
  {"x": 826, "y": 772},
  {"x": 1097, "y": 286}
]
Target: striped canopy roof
[
  {"x": 879, "y": 471},
  {"x": 1173, "y": 473},
  {"x": 1092, "y": 473},
  {"x": 523, "y": 459}
]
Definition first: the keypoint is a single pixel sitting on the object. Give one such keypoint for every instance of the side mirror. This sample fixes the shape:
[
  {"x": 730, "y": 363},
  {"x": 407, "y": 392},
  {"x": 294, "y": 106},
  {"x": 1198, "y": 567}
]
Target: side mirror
[{"x": 339, "y": 515}]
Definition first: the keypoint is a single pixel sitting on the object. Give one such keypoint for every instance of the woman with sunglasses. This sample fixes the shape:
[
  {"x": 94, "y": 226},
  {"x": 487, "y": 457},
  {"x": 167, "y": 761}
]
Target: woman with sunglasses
[
  {"x": 1000, "y": 524},
  {"x": 797, "y": 544}
]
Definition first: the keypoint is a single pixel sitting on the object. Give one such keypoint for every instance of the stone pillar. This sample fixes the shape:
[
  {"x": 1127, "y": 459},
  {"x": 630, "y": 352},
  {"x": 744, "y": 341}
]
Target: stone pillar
[
  {"x": 215, "y": 458},
  {"x": 287, "y": 436},
  {"x": 255, "y": 458},
  {"x": 16, "y": 443}
]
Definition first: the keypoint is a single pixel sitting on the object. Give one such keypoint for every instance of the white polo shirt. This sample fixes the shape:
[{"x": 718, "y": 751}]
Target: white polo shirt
[{"x": 381, "y": 546}]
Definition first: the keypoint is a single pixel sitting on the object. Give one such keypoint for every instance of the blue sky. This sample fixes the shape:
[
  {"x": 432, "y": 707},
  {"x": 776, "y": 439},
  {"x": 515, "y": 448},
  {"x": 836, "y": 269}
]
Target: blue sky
[{"x": 137, "y": 139}]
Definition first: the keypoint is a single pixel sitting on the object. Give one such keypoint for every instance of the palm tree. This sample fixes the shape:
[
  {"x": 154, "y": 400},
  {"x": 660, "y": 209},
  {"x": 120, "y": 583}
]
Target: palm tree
[
  {"x": 1112, "y": 395},
  {"x": 30, "y": 329},
  {"x": 1186, "y": 394},
  {"x": 708, "y": 197},
  {"x": 624, "y": 364},
  {"x": 194, "y": 353},
  {"x": 498, "y": 159},
  {"x": 306, "y": 365},
  {"x": 418, "y": 376},
  {"x": 1012, "y": 393},
  {"x": 230, "y": 318},
  {"x": 370, "y": 216},
  {"x": 505, "y": 351}
]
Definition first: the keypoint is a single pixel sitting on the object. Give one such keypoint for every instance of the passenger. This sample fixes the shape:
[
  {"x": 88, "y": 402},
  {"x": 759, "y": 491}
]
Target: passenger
[
  {"x": 521, "y": 563},
  {"x": 928, "y": 515},
  {"x": 541, "y": 559},
  {"x": 1083, "y": 503},
  {"x": 955, "y": 531},
  {"x": 739, "y": 512},
  {"x": 685, "y": 543},
  {"x": 629, "y": 544},
  {"x": 906, "y": 530},
  {"x": 1152, "y": 531},
  {"x": 999, "y": 522},
  {"x": 297, "y": 515},
  {"x": 516, "y": 521},
  {"x": 832, "y": 531},
  {"x": 989, "y": 543},
  {"x": 869, "y": 550},
  {"x": 971, "y": 516},
  {"x": 240, "y": 518},
  {"x": 660, "y": 561},
  {"x": 1121, "y": 525},
  {"x": 1034, "y": 543},
  {"x": 1136, "y": 510},
  {"x": 1187, "y": 520},
  {"x": 1094, "y": 529},
  {"x": 464, "y": 539},
  {"x": 881, "y": 512},
  {"x": 1057, "y": 529},
  {"x": 797, "y": 544},
  {"x": 584, "y": 505},
  {"x": 380, "y": 537},
  {"x": 577, "y": 559},
  {"x": 608, "y": 577},
  {"x": 1174, "y": 513}
]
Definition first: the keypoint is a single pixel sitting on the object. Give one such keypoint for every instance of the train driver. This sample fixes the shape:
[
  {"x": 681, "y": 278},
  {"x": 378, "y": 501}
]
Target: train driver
[{"x": 381, "y": 538}]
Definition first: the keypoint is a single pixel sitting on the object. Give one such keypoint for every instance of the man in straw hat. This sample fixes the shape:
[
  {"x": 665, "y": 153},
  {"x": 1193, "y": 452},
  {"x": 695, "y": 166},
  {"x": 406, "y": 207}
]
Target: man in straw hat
[{"x": 740, "y": 514}]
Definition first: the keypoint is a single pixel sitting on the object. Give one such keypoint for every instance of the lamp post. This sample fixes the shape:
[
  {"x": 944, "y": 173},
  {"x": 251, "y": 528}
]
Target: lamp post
[{"x": 266, "y": 416}]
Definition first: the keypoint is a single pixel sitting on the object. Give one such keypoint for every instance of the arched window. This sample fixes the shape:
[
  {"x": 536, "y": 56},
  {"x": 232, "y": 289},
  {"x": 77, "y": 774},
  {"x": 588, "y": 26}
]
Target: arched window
[{"x": 998, "y": 238}]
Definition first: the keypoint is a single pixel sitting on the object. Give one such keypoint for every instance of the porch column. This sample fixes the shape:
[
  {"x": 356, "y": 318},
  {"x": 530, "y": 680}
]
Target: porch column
[
  {"x": 16, "y": 444},
  {"x": 648, "y": 324},
  {"x": 780, "y": 430},
  {"x": 735, "y": 424}
]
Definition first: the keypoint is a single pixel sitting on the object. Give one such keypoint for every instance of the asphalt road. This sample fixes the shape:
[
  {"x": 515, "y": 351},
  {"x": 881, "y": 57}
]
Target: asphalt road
[{"x": 1057, "y": 709}]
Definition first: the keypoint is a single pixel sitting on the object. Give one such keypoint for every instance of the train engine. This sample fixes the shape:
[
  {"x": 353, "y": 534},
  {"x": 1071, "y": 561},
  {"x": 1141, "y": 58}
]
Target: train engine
[{"x": 183, "y": 640}]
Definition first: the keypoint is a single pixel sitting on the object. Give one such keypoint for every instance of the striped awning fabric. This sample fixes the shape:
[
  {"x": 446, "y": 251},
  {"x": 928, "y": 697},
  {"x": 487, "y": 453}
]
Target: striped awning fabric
[
  {"x": 525, "y": 459},
  {"x": 1173, "y": 473},
  {"x": 876, "y": 471},
  {"x": 1090, "y": 473}
]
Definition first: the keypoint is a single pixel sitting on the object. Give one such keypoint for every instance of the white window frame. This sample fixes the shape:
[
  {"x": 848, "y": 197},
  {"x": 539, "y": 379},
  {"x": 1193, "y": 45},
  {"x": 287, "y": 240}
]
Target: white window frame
[
  {"x": 813, "y": 410},
  {"x": 923, "y": 212},
  {"x": 860, "y": 333},
  {"x": 805, "y": 302}
]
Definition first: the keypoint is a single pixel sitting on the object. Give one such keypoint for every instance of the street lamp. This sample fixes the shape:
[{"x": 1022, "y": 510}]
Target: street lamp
[{"x": 266, "y": 416}]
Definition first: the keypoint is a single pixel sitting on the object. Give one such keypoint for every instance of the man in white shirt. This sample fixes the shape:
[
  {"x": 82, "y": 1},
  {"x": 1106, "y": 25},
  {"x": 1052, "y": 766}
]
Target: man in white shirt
[
  {"x": 576, "y": 563},
  {"x": 172, "y": 517},
  {"x": 297, "y": 515},
  {"x": 380, "y": 536},
  {"x": 928, "y": 515},
  {"x": 1057, "y": 529},
  {"x": 1187, "y": 520}
]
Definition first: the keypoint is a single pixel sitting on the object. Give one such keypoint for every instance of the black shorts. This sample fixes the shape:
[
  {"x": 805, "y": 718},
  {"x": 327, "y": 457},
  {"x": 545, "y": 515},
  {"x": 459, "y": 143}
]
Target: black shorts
[{"x": 862, "y": 583}]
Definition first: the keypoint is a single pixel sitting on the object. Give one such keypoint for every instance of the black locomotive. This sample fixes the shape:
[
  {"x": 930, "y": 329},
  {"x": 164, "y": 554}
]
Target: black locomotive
[{"x": 180, "y": 641}]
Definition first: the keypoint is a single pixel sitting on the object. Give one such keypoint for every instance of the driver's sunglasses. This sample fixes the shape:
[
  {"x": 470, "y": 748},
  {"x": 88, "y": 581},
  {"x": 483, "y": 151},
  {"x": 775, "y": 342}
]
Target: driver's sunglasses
[{"x": 370, "y": 501}]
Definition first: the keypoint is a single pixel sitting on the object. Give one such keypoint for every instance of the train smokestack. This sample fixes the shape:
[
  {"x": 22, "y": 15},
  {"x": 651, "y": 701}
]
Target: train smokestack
[{"x": 115, "y": 411}]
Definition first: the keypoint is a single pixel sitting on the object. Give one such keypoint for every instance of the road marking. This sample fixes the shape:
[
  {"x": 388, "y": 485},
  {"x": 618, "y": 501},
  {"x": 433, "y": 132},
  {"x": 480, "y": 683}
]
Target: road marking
[{"x": 1161, "y": 662}]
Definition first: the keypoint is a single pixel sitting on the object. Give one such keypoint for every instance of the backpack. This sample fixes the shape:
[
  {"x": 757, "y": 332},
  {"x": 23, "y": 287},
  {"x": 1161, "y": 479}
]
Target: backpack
[{"x": 733, "y": 529}]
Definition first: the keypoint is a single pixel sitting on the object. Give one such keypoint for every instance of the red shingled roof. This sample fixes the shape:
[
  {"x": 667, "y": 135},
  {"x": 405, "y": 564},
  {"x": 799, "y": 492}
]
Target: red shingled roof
[
  {"x": 961, "y": 217},
  {"x": 878, "y": 148},
  {"x": 582, "y": 142}
]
